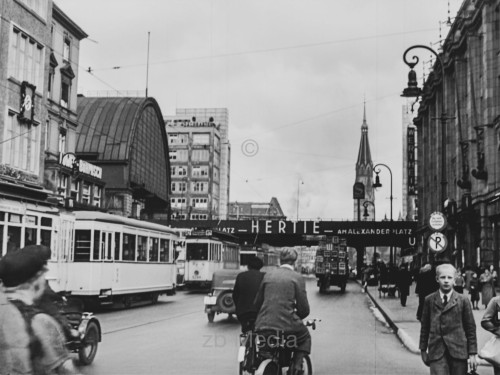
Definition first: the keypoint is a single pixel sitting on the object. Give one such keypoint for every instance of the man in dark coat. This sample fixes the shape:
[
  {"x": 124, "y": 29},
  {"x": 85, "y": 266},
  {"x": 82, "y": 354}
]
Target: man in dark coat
[
  {"x": 403, "y": 283},
  {"x": 448, "y": 330},
  {"x": 244, "y": 292},
  {"x": 426, "y": 284},
  {"x": 282, "y": 303}
]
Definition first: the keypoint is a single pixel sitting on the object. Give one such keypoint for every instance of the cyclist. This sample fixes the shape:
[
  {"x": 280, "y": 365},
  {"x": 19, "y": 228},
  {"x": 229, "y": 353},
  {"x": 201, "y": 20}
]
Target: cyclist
[
  {"x": 282, "y": 304},
  {"x": 244, "y": 292}
]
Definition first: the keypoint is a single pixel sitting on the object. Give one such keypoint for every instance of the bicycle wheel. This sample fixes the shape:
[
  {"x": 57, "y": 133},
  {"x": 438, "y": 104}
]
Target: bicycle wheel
[{"x": 306, "y": 367}]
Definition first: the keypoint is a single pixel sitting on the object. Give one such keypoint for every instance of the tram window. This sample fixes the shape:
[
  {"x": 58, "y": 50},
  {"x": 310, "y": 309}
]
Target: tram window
[
  {"x": 117, "y": 246},
  {"x": 153, "y": 252},
  {"x": 46, "y": 236},
  {"x": 97, "y": 245},
  {"x": 46, "y": 222},
  {"x": 164, "y": 250},
  {"x": 82, "y": 246},
  {"x": 2, "y": 216},
  {"x": 197, "y": 251},
  {"x": 142, "y": 246},
  {"x": 13, "y": 238},
  {"x": 29, "y": 236},
  {"x": 128, "y": 247},
  {"x": 13, "y": 218},
  {"x": 1, "y": 241},
  {"x": 30, "y": 220}
]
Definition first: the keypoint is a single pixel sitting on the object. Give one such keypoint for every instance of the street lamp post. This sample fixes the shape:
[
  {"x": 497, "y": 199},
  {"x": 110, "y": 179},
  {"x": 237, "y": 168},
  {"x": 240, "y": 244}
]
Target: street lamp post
[
  {"x": 377, "y": 184},
  {"x": 413, "y": 91},
  {"x": 299, "y": 182}
]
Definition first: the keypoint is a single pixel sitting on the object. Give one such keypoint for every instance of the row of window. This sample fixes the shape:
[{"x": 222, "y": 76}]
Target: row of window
[
  {"x": 79, "y": 190},
  {"x": 21, "y": 146},
  {"x": 195, "y": 202},
  {"x": 198, "y": 187},
  {"x": 196, "y": 171},
  {"x": 196, "y": 216},
  {"x": 183, "y": 138},
  {"x": 107, "y": 246},
  {"x": 196, "y": 155}
]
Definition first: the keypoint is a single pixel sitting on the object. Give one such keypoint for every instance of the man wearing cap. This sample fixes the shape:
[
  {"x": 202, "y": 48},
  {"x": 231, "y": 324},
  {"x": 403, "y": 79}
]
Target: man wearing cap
[
  {"x": 282, "y": 304},
  {"x": 35, "y": 341}
]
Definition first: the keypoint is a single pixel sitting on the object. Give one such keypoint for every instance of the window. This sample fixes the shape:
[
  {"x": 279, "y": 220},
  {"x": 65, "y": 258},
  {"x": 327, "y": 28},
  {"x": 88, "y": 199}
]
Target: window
[
  {"x": 128, "y": 247},
  {"x": 62, "y": 141},
  {"x": 172, "y": 138},
  {"x": 199, "y": 202},
  {"x": 86, "y": 193},
  {"x": 164, "y": 250},
  {"x": 182, "y": 171},
  {"x": 142, "y": 248},
  {"x": 200, "y": 187},
  {"x": 75, "y": 190},
  {"x": 177, "y": 139},
  {"x": 65, "y": 92},
  {"x": 196, "y": 251},
  {"x": 153, "y": 255},
  {"x": 26, "y": 59},
  {"x": 82, "y": 246},
  {"x": 62, "y": 185},
  {"x": 201, "y": 138},
  {"x": 21, "y": 145},
  {"x": 182, "y": 186},
  {"x": 66, "y": 49},
  {"x": 200, "y": 155},
  {"x": 97, "y": 196},
  {"x": 172, "y": 155},
  {"x": 201, "y": 171},
  {"x": 199, "y": 216}
]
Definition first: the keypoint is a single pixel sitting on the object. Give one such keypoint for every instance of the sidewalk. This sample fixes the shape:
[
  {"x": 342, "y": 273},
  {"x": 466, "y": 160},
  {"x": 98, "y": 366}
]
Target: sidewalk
[{"x": 405, "y": 324}]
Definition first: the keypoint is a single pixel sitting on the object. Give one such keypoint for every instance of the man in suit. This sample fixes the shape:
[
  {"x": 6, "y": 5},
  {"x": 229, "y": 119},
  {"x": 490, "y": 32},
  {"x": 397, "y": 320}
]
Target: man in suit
[
  {"x": 282, "y": 304},
  {"x": 448, "y": 330},
  {"x": 244, "y": 292}
]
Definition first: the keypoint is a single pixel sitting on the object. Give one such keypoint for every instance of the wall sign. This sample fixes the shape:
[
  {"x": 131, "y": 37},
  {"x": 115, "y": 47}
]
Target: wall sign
[
  {"x": 437, "y": 221},
  {"x": 410, "y": 138},
  {"x": 27, "y": 104},
  {"x": 69, "y": 160},
  {"x": 358, "y": 191}
]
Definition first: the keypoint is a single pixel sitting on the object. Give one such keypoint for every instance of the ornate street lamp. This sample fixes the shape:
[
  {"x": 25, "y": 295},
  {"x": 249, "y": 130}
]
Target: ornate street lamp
[{"x": 413, "y": 91}]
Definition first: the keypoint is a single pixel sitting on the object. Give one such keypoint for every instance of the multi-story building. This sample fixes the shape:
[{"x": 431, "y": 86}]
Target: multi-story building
[
  {"x": 199, "y": 163},
  {"x": 256, "y": 210},
  {"x": 463, "y": 177},
  {"x": 38, "y": 66}
]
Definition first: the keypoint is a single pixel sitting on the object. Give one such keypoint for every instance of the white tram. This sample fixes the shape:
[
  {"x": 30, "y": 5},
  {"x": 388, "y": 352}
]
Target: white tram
[
  {"x": 269, "y": 257},
  {"x": 208, "y": 251},
  {"x": 117, "y": 259}
]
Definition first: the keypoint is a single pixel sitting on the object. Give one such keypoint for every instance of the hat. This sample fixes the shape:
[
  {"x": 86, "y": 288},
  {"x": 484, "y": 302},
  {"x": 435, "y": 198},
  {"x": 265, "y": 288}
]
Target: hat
[
  {"x": 288, "y": 255},
  {"x": 18, "y": 267},
  {"x": 41, "y": 251},
  {"x": 255, "y": 263}
]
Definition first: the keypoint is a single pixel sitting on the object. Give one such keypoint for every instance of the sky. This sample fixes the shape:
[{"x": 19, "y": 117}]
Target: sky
[{"x": 294, "y": 75}]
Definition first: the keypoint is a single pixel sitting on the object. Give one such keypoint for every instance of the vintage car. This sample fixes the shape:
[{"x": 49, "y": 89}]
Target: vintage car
[{"x": 220, "y": 297}]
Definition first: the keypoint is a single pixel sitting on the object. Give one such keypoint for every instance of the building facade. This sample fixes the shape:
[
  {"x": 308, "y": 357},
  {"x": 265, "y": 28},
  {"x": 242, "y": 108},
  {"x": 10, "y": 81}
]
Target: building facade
[
  {"x": 256, "y": 210},
  {"x": 462, "y": 178},
  {"x": 200, "y": 163},
  {"x": 410, "y": 162}
]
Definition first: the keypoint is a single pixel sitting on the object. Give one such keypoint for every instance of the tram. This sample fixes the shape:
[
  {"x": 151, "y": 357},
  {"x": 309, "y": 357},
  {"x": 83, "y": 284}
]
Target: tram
[
  {"x": 269, "y": 257},
  {"x": 208, "y": 251},
  {"x": 115, "y": 259}
]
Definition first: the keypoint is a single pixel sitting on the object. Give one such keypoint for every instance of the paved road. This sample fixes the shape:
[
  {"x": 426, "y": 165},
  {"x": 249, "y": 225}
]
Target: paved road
[{"x": 174, "y": 337}]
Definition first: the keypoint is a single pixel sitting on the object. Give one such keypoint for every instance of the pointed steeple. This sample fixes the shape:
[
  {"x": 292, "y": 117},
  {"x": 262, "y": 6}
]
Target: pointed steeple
[{"x": 364, "y": 155}]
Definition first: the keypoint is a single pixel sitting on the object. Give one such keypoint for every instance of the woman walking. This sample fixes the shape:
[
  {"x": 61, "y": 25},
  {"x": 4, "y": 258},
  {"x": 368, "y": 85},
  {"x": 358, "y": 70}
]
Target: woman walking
[{"x": 474, "y": 291}]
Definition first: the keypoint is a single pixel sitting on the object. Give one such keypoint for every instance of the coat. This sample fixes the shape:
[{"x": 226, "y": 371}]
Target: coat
[
  {"x": 245, "y": 289},
  {"x": 490, "y": 321},
  {"x": 451, "y": 326},
  {"x": 282, "y": 301},
  {"x": 404, "y": 281}
]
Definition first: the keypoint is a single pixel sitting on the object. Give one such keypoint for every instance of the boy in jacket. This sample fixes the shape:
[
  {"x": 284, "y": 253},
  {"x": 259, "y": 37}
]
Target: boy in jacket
[{"x": 448, "y": 330}]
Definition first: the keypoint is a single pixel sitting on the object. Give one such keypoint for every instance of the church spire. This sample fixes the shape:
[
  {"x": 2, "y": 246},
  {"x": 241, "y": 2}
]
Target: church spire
[{"x": 364, "y": 155}]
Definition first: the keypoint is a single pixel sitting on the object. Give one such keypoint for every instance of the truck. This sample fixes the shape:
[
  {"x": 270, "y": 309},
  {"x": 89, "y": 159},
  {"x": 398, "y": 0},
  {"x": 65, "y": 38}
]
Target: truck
[{"x": 331, "y": 263}]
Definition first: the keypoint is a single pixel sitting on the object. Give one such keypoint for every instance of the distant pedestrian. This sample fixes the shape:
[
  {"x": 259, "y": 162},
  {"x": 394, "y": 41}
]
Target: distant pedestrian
[
  {"x": 474, "y": 291},
  {"x": 448, "y": 330},
  {"x": 491, "y": 323},
  {"x": 459, "y": 283},
  {"x": 426, "y": 284},
  {"x": 487, "y": 281},
  {"x": 404, "y": 280}
]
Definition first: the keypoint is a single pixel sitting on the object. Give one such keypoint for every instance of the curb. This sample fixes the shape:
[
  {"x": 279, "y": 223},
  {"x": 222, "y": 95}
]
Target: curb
[{"x": 406, "y": 339}]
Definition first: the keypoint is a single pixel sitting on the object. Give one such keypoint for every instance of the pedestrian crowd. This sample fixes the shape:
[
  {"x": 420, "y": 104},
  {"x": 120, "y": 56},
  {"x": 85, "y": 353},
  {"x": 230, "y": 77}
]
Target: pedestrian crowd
[{"x": 33, "y": 332}]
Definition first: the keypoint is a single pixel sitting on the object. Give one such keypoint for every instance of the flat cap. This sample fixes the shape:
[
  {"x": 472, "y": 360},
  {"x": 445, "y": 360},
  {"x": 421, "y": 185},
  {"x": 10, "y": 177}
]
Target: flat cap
[
  {"x": 18, "y": 267},
  {"x": 288, "y": 255}
]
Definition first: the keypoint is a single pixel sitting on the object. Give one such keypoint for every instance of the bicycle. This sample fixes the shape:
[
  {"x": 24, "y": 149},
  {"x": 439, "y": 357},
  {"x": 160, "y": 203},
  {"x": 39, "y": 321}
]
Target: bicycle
[{"x": 267, "y": 353}]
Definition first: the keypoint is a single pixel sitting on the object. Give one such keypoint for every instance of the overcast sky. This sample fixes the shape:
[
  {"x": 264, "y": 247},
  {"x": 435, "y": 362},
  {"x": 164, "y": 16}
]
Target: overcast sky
[{"x": 293, "y": 75}]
